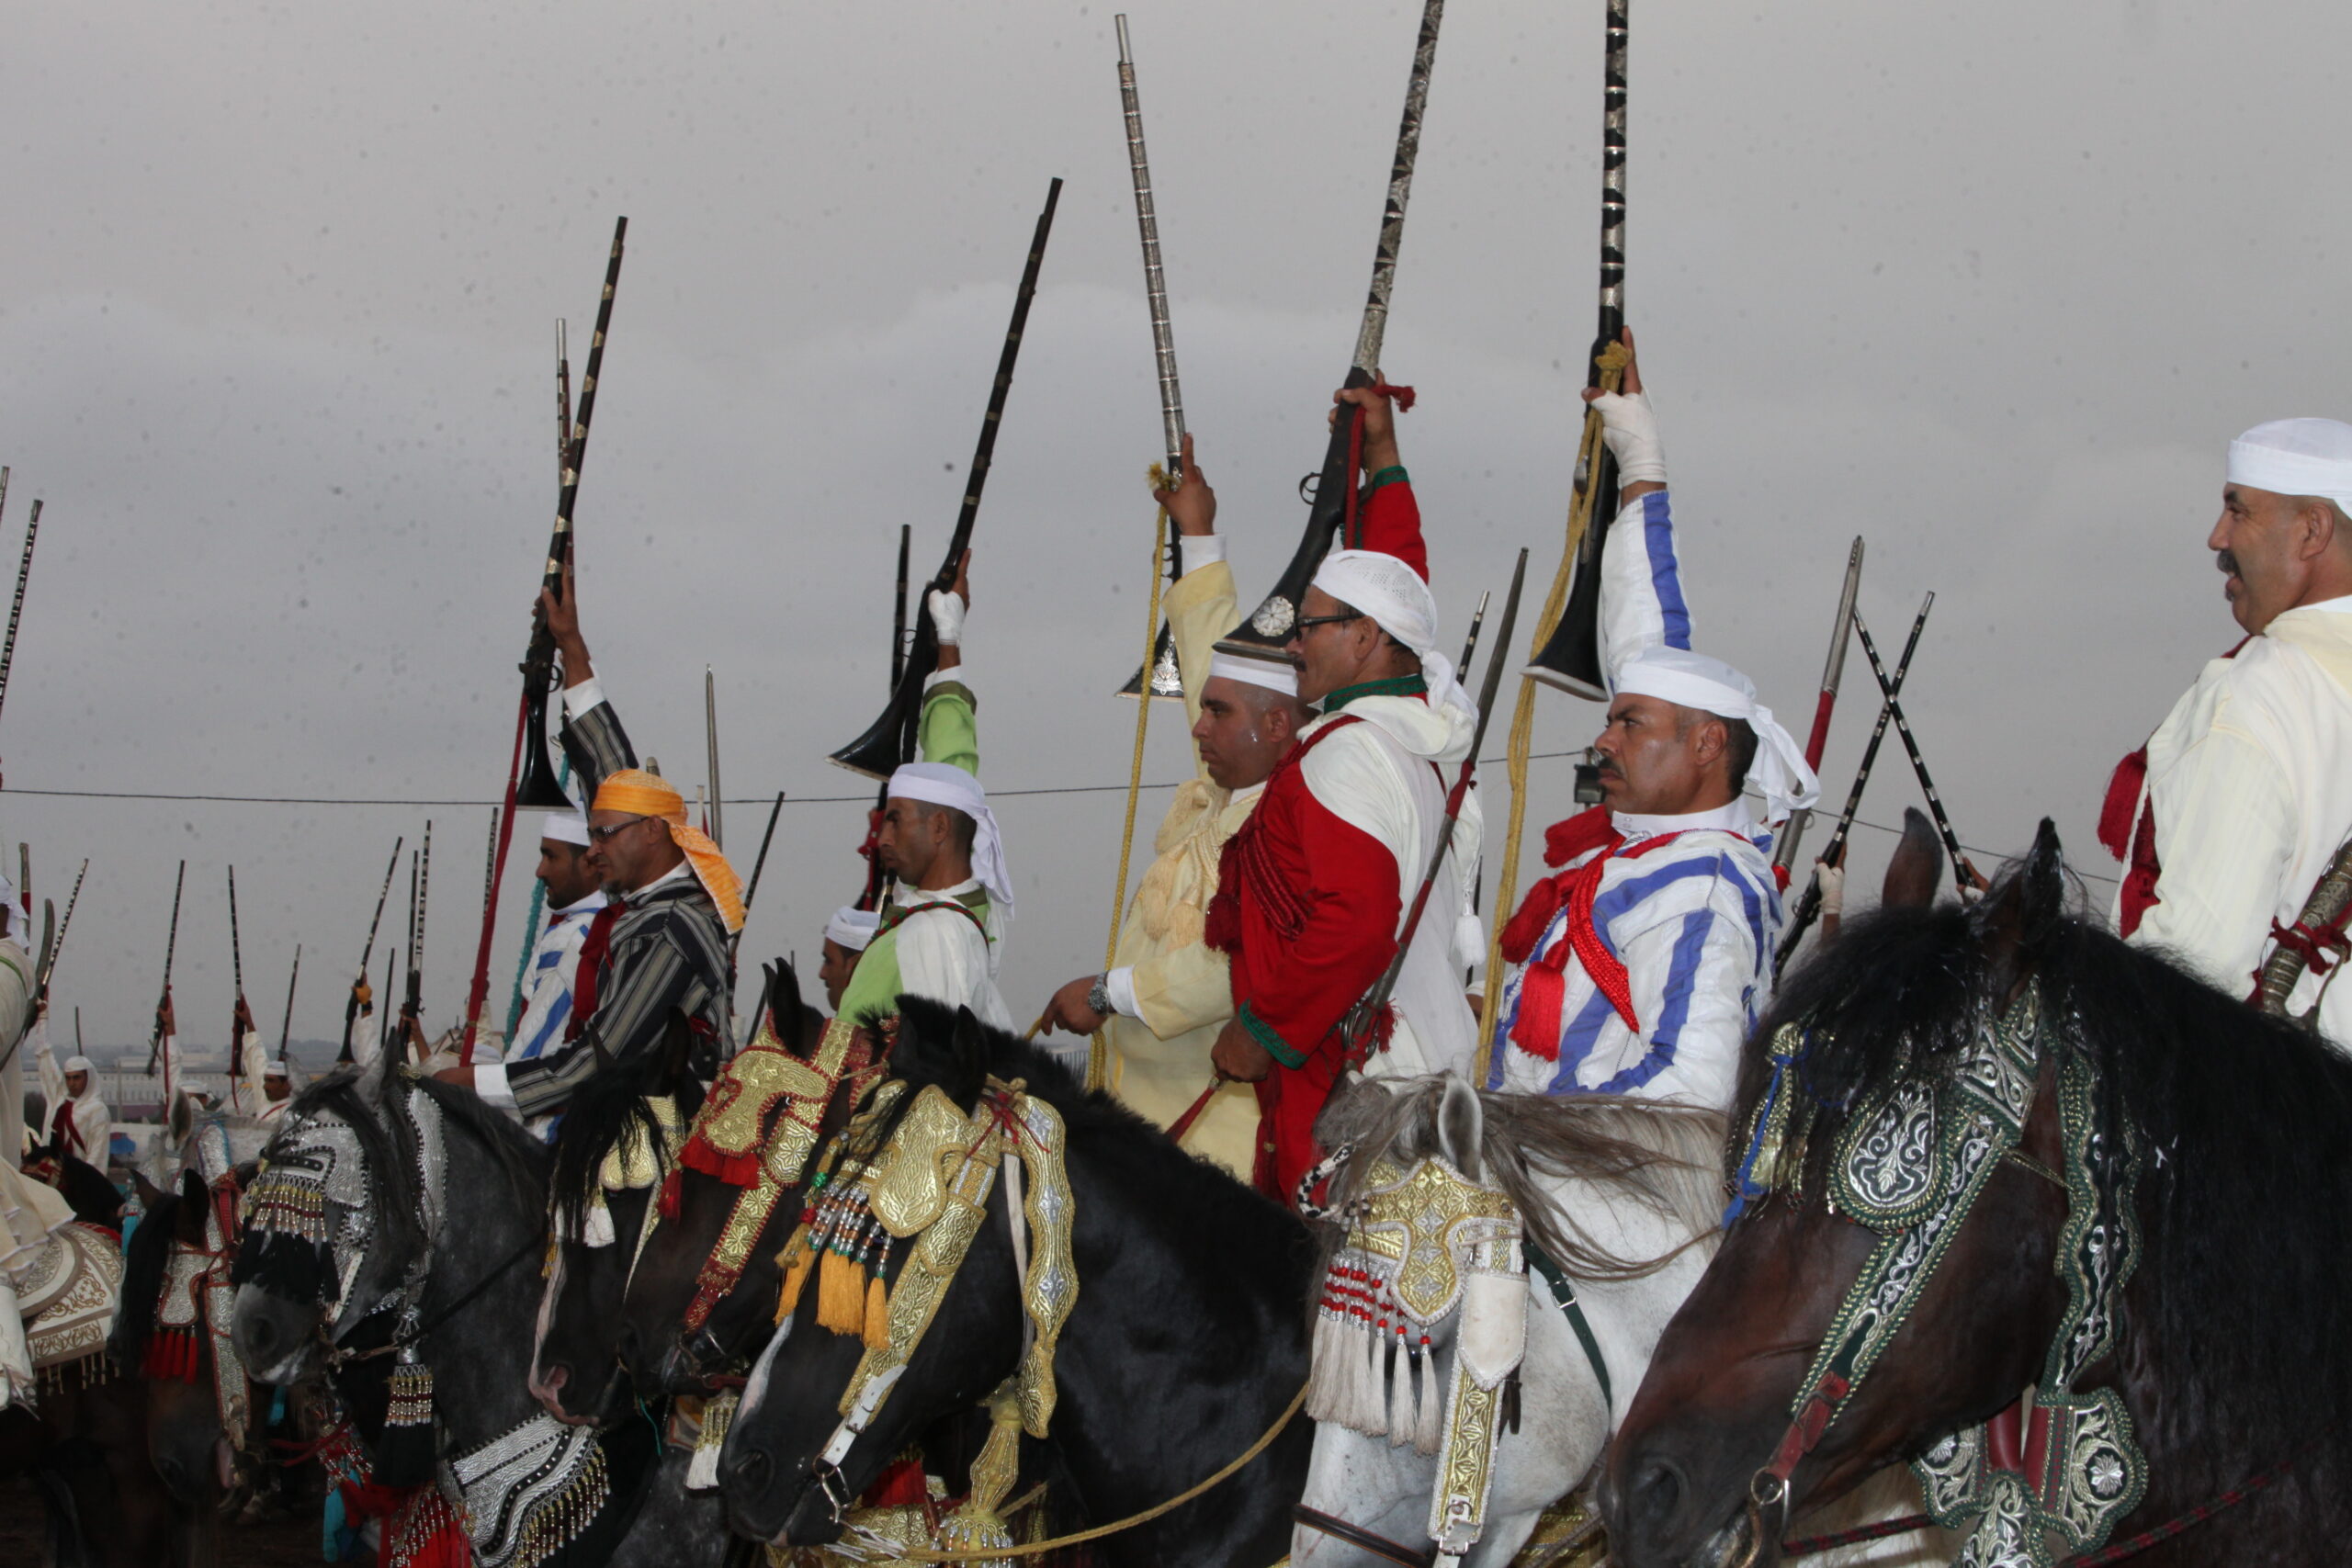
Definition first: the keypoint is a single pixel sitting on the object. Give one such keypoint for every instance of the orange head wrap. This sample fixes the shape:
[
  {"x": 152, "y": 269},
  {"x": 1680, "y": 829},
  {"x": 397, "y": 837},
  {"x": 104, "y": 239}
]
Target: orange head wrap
[{"x": 641, "y": 794}]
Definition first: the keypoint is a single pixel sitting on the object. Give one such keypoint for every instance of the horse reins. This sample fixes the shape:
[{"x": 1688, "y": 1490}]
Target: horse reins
[{"x": 339, "y": 1357}]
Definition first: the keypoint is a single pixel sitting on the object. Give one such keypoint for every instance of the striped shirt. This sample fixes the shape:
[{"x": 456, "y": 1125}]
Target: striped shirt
[{"x": 554, "y": 964}]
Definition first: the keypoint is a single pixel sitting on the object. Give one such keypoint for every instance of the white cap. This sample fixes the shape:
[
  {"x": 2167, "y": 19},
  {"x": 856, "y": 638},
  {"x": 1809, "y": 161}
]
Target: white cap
[
  {"x": 853, "y": 928},
  {"x": 944, "y": 784},
  {"x": 1401, "y": 605},
  {"x": 1694, "y": 680},
  {"x": 79, "y": 1065},
  {"x": 2295, "y": 457},
  {"x": 276, "y": 1069},
  {"x": 1274, "y": 675},
  {"x": 565, "y": 827}
]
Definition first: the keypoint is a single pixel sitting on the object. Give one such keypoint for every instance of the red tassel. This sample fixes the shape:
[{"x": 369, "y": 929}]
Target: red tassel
[
  {"x": 1535, "y": 911},
  {"x": 667, "y": 1205},
  {"x": 170, "y": 1356},
  {"x": 2123, "y": 796},
  {"x": 736, "y": 1170},
  {"x": 1587, "y": 829}
]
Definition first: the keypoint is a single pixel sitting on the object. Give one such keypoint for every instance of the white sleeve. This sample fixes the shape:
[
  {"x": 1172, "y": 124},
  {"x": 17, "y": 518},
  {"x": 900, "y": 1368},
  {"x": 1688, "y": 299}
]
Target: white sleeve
[
  {"x": 1642, "y": 603},
  {"x": 943, "y": 956},
  {"x": 2225, "y": 835},
  {"x": 52, "y": 1076},
  {"x": 252, "y": 1061},
  {"x": 490, "y": 1082},
  {"x": 1119, "y": 985},
  {"x": 1199, "y": 550},
  {"x": 366, "y": 1036},
  {"x": 579, "y": 699}
]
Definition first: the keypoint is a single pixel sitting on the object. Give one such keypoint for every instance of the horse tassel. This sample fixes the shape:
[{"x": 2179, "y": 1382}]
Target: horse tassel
[
  {"x": 1401, "y": 1420},
  {"x": 877, "y": 1313},
  {"x": 799, "y": 1259}
]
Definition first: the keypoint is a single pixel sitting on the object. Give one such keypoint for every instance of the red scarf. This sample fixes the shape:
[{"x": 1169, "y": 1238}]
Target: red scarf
[
  {"x": 1543, "y": 983},
  {"x": 2134, "y": 843},
  {"x": 66, "y": 1133},
  {"x": 593, "y": 947}
]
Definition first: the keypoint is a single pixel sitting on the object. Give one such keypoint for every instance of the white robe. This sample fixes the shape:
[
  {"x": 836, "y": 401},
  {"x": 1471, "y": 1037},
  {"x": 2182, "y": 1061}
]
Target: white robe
[
  {"x": 552, "y": 979},
  {"x": 2249, "y": 782},
  {"x": 92, "y": 1123}
]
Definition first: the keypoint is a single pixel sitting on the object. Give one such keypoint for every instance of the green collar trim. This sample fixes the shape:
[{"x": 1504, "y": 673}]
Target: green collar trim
[{"x": 1395, "y": 686}]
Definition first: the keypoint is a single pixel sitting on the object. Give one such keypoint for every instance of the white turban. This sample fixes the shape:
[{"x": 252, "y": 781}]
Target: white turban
[
  {"x": 1694, "y": 680},
  {"x": 1274, "y": 674},
  {"x": 276, "y": 1069},
  {"x": 1400, "y": 603},
  {"x": 2295, "y": 457},
  {"x": 79, "y": 1065},
  {"x": 565, "y": 827},
  {"x": 853, "y": 928},
  {"x": 944, "y": 784}
]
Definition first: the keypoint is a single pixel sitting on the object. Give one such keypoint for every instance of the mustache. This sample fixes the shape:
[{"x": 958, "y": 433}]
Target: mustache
[{"x": 2228, "y": 563}]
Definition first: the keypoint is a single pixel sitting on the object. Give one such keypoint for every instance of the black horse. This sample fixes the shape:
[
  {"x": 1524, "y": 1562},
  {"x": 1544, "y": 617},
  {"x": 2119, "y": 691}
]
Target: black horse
[
  {"x": 2221, "y": 1348},
  {"x": 186, "y": 1439},
  {"x": 1187, "y": 1340},
  {"x": 476, "y": 1313}
]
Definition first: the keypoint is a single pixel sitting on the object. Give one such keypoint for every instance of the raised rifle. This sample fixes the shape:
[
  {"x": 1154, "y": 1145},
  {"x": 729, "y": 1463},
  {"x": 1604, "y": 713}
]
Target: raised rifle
[
  {"x": 1784, "y": 853},
  {"x": 1266, "y": 633},
  {"x": 24, "y": 575},
  {"x": 898, "y": 609},
  {"x": 52, "y": 950},
  {"x": 237, "y": 981},
  {"x": 1158, "y": 676},
  {"x": 351, "y": 1005},
  {"x": 710, "y": 736},
  {"x": 1362, "y": 1020},
  {"x": 890, "y": 740},
  {"x": 420, "y": 888},
  {"x": 1808, "y": 908},
  {"x": 759, "y": 865},
  {"x": 164, "y": 1002},
  {"x": 286, "y": 1030},
  {"x": 1569, "y": 653}
]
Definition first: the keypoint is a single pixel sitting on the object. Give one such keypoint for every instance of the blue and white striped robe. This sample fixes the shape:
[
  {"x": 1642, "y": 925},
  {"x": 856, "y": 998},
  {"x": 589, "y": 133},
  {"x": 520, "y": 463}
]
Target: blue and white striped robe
[
  {"x": 1694, "y": 922},
  {"x": 555, "y": 962}
]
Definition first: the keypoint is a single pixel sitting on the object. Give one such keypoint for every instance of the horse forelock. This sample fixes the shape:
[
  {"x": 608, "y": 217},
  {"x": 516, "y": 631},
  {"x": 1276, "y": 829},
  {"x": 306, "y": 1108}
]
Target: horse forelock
[
  {"x": 2244, "y": 1197},
  {"x": 1662, "y": 1156}
]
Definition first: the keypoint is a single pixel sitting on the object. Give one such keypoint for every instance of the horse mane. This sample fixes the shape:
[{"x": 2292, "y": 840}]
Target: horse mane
[
  {"x": 1203, "y": 1206},
  {"x": 145, "y": 1257},
  {"x": 1660, "y": 1156},
  {"x": 2244, "y": 1197},
  {"x": 607, "y": 1107}
]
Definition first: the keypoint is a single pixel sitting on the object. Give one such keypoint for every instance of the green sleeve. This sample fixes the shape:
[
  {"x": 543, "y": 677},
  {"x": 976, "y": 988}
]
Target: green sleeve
[
  {"x": 949, "y": 730},
  {"x": 873, "y": 987}
]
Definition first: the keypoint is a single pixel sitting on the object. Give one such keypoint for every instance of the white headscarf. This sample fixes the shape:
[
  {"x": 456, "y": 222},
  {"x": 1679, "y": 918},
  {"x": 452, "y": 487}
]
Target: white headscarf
[
  {"x": 79, "y": 1065},
  {"x": 565, "y": 827},
  {"x": 2295, "y": 457},
  {"x": 1274, "y": 674},
  {"x": 853, "y": 928},
  {"x": 944, "y": 784},
  {"x": 1401, "y": 605},
  {"x": 1694, "y": 680}
]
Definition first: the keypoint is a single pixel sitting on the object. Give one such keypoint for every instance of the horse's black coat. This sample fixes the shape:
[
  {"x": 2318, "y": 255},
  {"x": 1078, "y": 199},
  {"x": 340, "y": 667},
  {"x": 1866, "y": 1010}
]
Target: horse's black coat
[
  {"x": 145, "y": 1257},
  {"x": 2245, "y": 1194}
]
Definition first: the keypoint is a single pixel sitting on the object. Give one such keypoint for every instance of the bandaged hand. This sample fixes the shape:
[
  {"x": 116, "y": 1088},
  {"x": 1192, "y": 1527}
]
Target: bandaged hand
[
  {"x": 1833, "y": 890},
  {"x": 1629, "y": 426},
  {"x": 946, "y": 619}
]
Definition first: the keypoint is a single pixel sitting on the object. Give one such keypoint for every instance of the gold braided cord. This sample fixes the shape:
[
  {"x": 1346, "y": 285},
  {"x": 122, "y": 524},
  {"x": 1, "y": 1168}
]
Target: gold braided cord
[
  {"x": 1035, "y": 1548},
  {"x": 1613, "y": 360},
  {"x": 1098, "y": 1049}
]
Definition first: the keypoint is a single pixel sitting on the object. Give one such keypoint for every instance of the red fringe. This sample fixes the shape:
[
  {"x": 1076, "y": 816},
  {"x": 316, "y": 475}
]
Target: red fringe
[
  {"x": 171, "y": 1356},
  {"x": 900, "y": 1485},
  {"x": 736, "y": 1170}
]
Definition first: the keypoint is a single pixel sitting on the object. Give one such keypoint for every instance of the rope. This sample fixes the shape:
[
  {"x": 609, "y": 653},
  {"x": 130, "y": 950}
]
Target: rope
[
  {"x": 1098, "y": 1050},
  {"x": 1805, "y": 1546},
  {"x": 1613, "y": 360},
  {"x": 988, "y": 1553}
]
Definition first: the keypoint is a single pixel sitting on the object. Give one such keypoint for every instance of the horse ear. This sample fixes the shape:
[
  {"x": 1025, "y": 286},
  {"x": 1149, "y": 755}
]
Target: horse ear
[
  {"x": 187, "y": 1220},
  {"x": 150, "y": 1195},
  {"x": 1461, "y": 1128},
  {"x": 1916, "y": 866},
  {"x": 971, "y": 1052},
  {"x": 784, "y": 1009},
  {"x": 181, "y": 1120},
  {"x": 2025, "y": 907}
]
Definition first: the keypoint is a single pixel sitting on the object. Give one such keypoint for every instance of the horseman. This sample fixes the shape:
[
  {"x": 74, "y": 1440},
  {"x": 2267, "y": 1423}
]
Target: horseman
[
  {"x": 569, "y": 873},
  {"x": 1160, "y": 1009},
  {"x": 74, "y": 1118},
  {"x": 1639, "y": 966},
  {"x": 847, "y": 936},
  {"x": 1314, "y": 887},
  {"x": 941, "y": 929},
  {"x": 657, "y": 950},
  {"x": 2233, "y": 810}
]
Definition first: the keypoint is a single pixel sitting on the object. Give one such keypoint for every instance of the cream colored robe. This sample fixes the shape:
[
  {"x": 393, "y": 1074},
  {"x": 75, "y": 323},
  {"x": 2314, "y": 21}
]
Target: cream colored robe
[{"x": 1160, "y": 1063}]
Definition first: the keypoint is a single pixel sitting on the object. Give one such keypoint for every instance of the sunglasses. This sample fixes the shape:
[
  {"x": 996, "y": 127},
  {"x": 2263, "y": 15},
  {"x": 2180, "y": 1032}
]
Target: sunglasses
[
  {"x": 1305, "y": 624},
  {"x": 605, "y": 835}
]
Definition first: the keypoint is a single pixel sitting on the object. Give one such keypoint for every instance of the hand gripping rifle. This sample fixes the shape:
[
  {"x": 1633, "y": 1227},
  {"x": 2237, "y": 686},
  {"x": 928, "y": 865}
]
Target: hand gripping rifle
[
  {"x": 351, "y": 1005},
  {"x": 1158, "y": 676},
  {"x": 1785, "y": 853},
  {"x": 1808, "y": 908},
  {"x": 1266, "y": 633},
  {"x": 890, "y": 740},
  {"x": 164, "y": 1002},
  {"x": 1363, "y": 1022},
  {"x": 1571, "y": 653}
]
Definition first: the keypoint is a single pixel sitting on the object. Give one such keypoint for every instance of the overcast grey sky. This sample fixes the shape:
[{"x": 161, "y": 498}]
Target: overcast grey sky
[{"x": 1992, "y": 285}]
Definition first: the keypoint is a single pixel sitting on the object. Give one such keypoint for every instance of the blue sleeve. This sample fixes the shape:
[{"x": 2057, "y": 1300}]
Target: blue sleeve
[{"x": 1642, "y": 603}]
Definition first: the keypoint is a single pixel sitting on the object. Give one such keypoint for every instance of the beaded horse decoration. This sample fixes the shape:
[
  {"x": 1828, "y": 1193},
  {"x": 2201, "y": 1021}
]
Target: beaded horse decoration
[
  {"x": 1423, "y": 1242},
  {"x": 2060, "y": 1465}
]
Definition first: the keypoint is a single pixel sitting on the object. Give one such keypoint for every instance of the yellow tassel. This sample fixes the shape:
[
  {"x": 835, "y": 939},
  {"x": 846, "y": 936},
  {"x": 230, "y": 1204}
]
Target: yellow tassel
[
  {"x": 878, "y": 1315},
  {"x": 796, "y": 1278},
  {"x": 831, "y": 1274}
]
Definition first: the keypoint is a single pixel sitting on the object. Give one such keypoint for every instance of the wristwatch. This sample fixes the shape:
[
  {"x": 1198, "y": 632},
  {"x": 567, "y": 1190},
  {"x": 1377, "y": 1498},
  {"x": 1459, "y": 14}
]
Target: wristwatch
[{"x": 1098, "y": 996}]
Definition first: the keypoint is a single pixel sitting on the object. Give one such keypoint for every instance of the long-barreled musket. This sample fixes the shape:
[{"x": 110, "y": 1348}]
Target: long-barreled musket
[
  {"x": 1363, "y": 1018},
  {"x": 1574, "y": 598},
  {"x": 412, "y": 1006},
  {"x": 1808, "y": 908},
  {"x": 24, "y": 575},
  {"x": 890, "y": 740},
  {"x": 1784, "y": 854},
  {"x": 56, "y": 948},
  {"x": 1267, "y": 631},
  {"x": 286, "y": 1030},
  {"x": 710, "y": 739},
  {"x": 164, "y": 1002},
  {"x": 759, "y": 865},
  {"x": 562, "y": 397},
  {"x": 237, "y": 983},
  {"x": 898, "y": 609},
  {"x": 2320, "y": 929},
  {"x": 1963, "y": 872},
  {"x": 375, "y": 921},
  {"x": 1157, "y": 675},
  {"x": 1570, "y": 653}
]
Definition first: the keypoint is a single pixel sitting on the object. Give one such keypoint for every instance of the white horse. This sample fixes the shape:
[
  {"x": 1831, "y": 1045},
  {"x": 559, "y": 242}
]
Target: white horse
[{"x": 1622, "y": 1198}]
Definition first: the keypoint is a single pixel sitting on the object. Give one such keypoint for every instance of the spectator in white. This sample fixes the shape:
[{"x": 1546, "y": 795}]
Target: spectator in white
[{"x": 847, "y": 935}]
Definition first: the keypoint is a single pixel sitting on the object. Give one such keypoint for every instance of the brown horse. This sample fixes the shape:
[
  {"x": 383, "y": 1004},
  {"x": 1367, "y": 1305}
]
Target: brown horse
[{"x": 2171, "y": 1194}]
